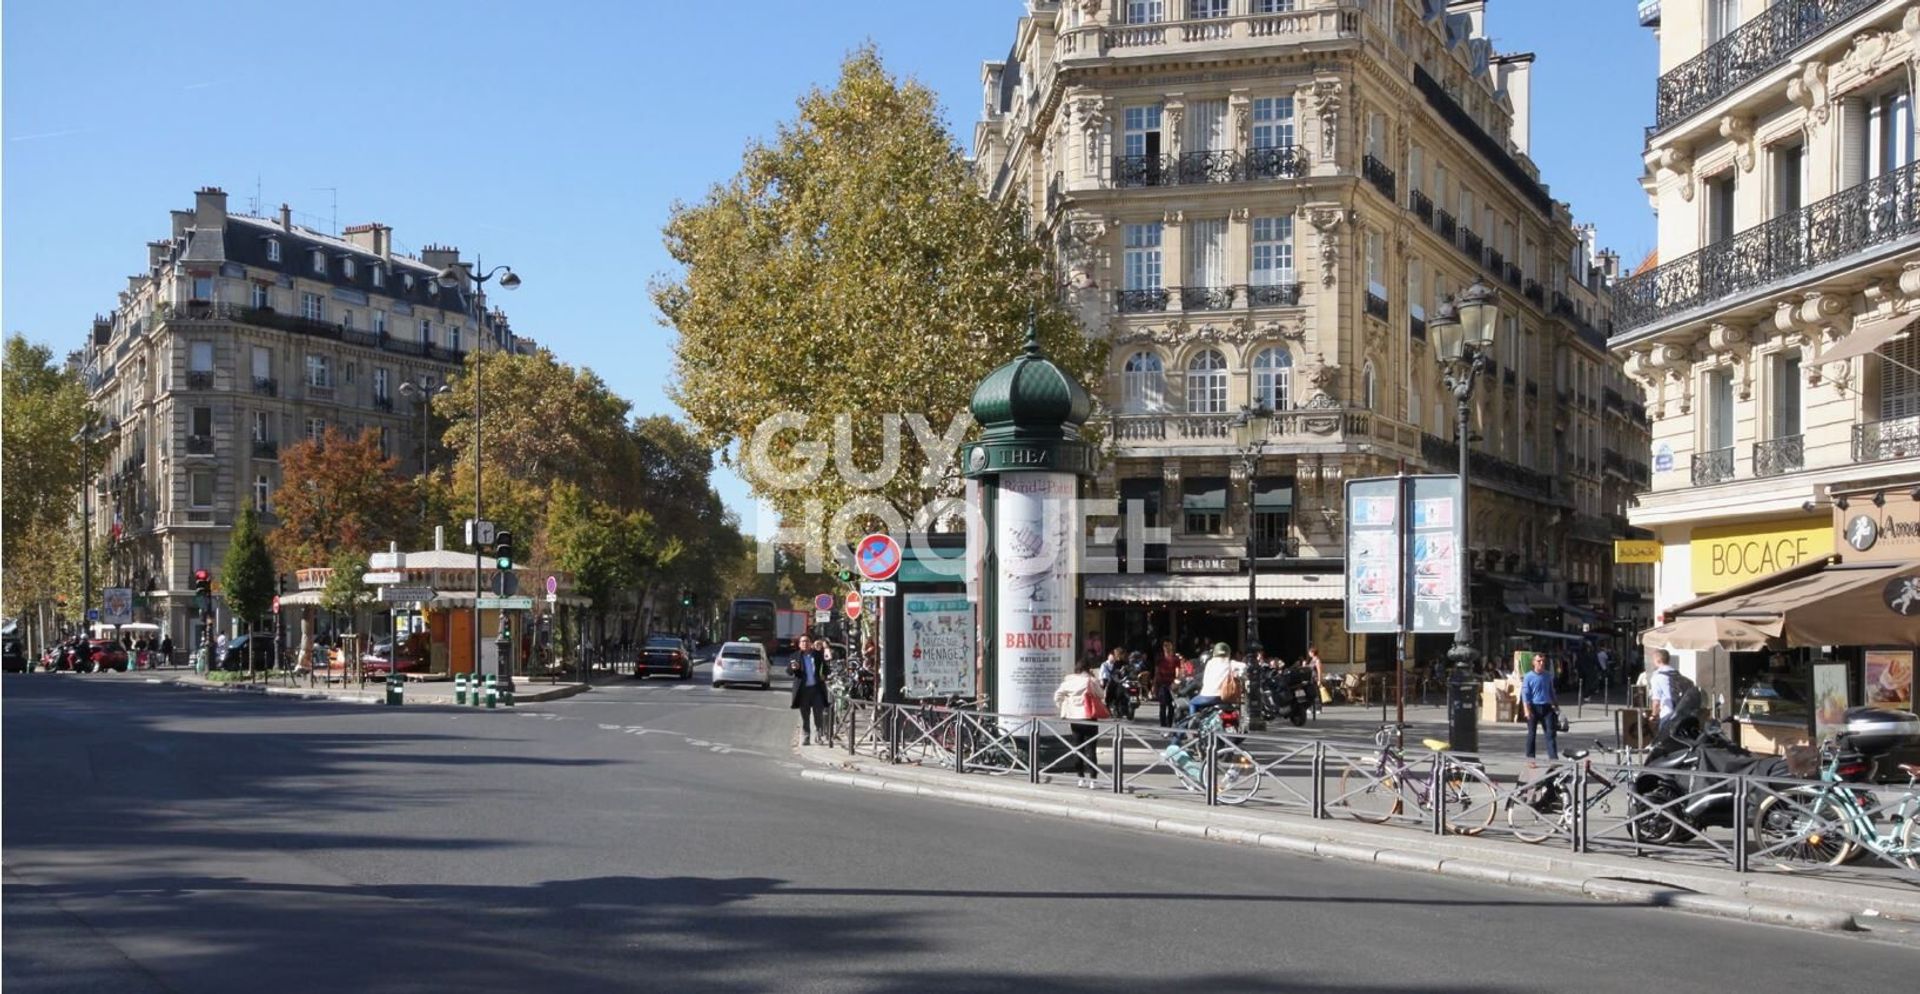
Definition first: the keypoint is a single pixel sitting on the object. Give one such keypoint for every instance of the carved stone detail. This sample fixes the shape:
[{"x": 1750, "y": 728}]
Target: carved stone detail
[
  {"x": 1172, "y": 112},
  {"x": 1871, "y": 52},
  {"x": 1326, "y": 221},
  {"x": 1240, "y": 108},
  {"x": 1173, "y": 217},
  {"x": 1739, "y": 131},
  {"x": 1326, "y": 103},
  {"x": 1809, "y": 91},
  {"x": 1678, "y": 163}
]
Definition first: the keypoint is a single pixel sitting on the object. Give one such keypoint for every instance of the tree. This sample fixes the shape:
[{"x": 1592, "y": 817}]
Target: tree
[
  {"x": 247, "y": 578},
  {"x": 601, "y": 546},
  {"x": 42, "y": 407},
  {"x": 853, "y": 266},
  {"x": 338, "y": 493},
  {"x": 346, "y": 593}
]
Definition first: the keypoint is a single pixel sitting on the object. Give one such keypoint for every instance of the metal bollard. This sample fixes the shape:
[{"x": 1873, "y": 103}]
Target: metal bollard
[
  {"x": 1438, "y": 795},
  {"x": 506, "y": 695},
  {"x": 1318, "y": 800},
  {"x": 1119, "y": 758},
  {"x": 1209, "y": 771},
  {"x": 396, "y": 689},
  {"x": 1579, "y": 806},
  {"x": 459, "y": 688},
  {"x": 493, "y": 691},
  {"x": 1033, "y": 750},
  {"x": 1741, "y": 844}
]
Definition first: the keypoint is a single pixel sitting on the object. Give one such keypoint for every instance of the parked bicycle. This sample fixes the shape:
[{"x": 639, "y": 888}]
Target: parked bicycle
[
  {"x": 1377, "y": 793},
  {"x": 1834, "y": 821},
  {"x": 1236, "y": 775},
  {"x": 1541, "y": 809}
]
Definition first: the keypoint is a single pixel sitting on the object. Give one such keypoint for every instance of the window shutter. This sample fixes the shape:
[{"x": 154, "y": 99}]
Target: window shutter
[{"x": 1854, "y": 138}]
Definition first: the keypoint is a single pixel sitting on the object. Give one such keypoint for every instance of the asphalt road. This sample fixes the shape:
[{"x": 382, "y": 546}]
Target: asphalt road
[{"x": 649, "y": 837}]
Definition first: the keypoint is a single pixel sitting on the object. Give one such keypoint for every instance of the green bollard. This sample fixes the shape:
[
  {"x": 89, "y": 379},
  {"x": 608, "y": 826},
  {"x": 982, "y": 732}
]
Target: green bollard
[
  {"x": 396, "y": 689},
  {"x": 459, "y": 688},
  {"x": 506, "y": 695},
  {"x": 493, "y": 692}
]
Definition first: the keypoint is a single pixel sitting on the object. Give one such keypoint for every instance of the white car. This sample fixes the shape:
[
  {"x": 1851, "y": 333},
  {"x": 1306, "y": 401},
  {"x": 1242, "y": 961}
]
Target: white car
[{"x": 742, "y": 662}]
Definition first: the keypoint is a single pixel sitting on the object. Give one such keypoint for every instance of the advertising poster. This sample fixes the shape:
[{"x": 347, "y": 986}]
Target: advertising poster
[
  {"x": 1033, "y": 536},
  {"x": 116, "y": 605},
  {"x": 1890, "y": 678},
  {"x": 1373, "y": 555},
  {"x": 1829, "y": 699},
  {"x": 939, "y": 644},
  {"x": 1435, "y": 583}
]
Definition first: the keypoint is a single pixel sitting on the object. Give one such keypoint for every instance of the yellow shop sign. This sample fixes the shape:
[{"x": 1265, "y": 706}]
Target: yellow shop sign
[
  {"x": 1725, "y": 555},
  {"x": 1636, "y": 551}
]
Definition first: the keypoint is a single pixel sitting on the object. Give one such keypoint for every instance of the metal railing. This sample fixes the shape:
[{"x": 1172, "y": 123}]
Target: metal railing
[
  {"x": 1206, "y": 298},
  {"x": 199, "y": 380},
  {"x": 266, "y": 386},
  {"x": 1274, "y": 295},
  {"x": 1891, "y": 438},
  {"x": 1751, "y": 822},
  {"x": 1445, "y": 225},
  {"x": 1138, "y": 301},
  {"x": 1713, "y": 466},
  {"x": 199, "y": 445},
  {"x": 1379, "y": 174},
  {"x": 1471, "y": 244},
  {"x": 1874, "y": 213},
  {"x": 1421, "y": 206},
  {"x": 1204, "y": 166},
  {"x": 1417, "y": 327},
  {"x": 1751, "y": 50},
  {"x": 266, "y": 448},
  {"x": 1377, "y": 306},
  {"x": 1787, "y": 454}
]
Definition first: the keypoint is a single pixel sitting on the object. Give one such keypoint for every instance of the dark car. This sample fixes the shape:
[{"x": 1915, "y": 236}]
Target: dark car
[
  {"x": 15, "y": 656},
  {"x": 662, "y": 656},
  {"x": 259, "y": 647},
  {"x": 378, "y": 660}
]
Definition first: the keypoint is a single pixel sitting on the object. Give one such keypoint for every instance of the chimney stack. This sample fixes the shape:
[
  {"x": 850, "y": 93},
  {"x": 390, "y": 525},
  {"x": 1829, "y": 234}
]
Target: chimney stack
[
  {"x": 375, "y": 237},
  {"x": 286, "y": 218}
]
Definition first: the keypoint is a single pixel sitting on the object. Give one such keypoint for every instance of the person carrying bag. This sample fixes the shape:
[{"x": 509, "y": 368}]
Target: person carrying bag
[{"x": 1081, "y": 702}]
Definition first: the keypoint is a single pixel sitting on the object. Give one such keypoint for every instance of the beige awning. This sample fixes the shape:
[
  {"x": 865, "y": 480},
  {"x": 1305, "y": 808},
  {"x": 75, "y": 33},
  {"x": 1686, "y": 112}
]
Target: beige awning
[
  {"x": 1869, "y": 335},
  {"x": 1864, "y": 604},
  {"x": 1175, "y": 588},
  {"x": 1701, "y": 634}
]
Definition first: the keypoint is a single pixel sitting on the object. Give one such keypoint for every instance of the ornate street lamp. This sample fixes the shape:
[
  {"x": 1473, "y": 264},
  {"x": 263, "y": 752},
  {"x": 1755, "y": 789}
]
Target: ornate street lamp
[
  {"x": 1251, "y": 429},
  {"x": 1462, "y": 333}
]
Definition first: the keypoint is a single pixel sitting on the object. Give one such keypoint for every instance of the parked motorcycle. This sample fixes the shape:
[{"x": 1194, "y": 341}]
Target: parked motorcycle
[{"x": 1676, "y": 797}]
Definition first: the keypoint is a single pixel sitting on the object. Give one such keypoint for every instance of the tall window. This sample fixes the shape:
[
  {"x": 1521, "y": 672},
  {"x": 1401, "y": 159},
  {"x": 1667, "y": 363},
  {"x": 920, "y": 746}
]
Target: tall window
[
  {"x": 262, "y": 487},
  {"x": 273, "y": 250},
  {"x": 1368, "y": 382},
  {"x": 1146, "y": 11},
  {"x": 1415, "y": 281},
  {"x": 1272, "y": 122},
  {"x": 1142, "y": 258},
  {"x": 319, "y": 371},
  {"x": 1786, "y": 395},
  {"x": 379, "y": 322},
  {"x": 380, "y": 384},
  {"x": 1719, "y": 410},
  {"x": 346, "y": 267},
  {"x": 453, "y": 337},
  {"x": 426, "y": 331},
  {"x": 313, "y": 307},
  {"x": 1272, "y": 251},
  {"x": 1722, "y": 17},
  {"x": 261, "y": 298},
  {"x": 1207, "y": 383},
  {"x": 1720, "y": 208},
  {"x": 1273, "y": 378},
  {"x": 1789, "y": 178},
  {"x": 316, "y": 429},
  {"x": 1144, "y": 384},
  {"x": 200, "y": 357},
  {"x": 319, "y": 261},
  {"x": 1206, "y": 8},
  {"x": 378, "y": 274},
  {"x": 200, "y": 422},
  {"x": 1273, "y": 6},
  {"x": 1891, "y": 133},
  {"x": 203, "y": 288},
  {"x": 200, "y": 489},
  {"x": 262, "y": 363},
  {"x": 1206, "y": 250},
  {"x": 1206, "y": 125},
  {"x": 1899, "y": 384},
  {"x": 1203, "y": 501},
  {"x": 346, "y": 320},
  {"x": 1376, "y": 265},
  {"x": 263, "y": 426},
  {"x": 1141, "y": 130},
  {"x": 200, "y": 555}
]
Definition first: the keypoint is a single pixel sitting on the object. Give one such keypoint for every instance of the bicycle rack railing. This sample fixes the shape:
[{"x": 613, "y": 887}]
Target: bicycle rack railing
[
  {"x": 1278, "y": 761},
  {"x": 1125, "y": 737},
  {"x": 1789, "y": 819},
  {"x": 985, "y": 745},
  {"x": 1653, "y": 824},
  {"x": 1051, "y": 733},
  {"x": 1365, "y": 790}
]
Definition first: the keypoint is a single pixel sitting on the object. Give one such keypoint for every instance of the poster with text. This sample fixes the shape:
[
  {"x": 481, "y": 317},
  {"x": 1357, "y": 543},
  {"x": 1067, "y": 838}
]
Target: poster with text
[
  {"x": 1373, "y": 555},
  {"x": 939, "y": 644},
  {"x": 1434, "y": 583},
  {"x": 1033, "y": 542},
  {"x": 1829, "y": 699}
]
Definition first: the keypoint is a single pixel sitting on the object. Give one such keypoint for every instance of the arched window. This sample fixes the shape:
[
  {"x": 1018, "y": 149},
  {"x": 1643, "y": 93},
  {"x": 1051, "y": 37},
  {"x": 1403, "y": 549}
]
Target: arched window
[
  {"x": 1207, "y": 383},
  {"x": 1273, "y": 378},
  {"x": 1145, "y": 384},
  {"x": 1367, "y": 381}
]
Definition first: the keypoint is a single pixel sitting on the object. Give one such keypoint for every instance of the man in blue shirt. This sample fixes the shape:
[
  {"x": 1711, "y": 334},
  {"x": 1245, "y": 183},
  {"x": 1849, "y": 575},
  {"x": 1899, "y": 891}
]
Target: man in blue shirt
[{"x": 1536, "y": 697}]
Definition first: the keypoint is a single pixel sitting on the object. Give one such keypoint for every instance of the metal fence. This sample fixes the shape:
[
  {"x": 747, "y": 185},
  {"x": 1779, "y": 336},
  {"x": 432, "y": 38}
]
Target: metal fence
[{"x": 1743, "y": 822}]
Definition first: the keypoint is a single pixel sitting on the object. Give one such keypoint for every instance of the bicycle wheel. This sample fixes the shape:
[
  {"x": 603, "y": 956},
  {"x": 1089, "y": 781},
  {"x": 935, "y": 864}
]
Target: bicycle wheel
[
  {"x": 1236, "y": 777},
  {"x": 1537, "y": 810},
  {"x": 1367, "y": 798},
  {"x": 1810, "y": 828},
  {"x": 1910, "y": 841},
  {"x": 1471, "y": 800}
]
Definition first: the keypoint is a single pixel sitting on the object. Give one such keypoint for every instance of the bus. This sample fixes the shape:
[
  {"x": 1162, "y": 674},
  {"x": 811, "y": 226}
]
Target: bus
[{"x": 753, "y": 618}]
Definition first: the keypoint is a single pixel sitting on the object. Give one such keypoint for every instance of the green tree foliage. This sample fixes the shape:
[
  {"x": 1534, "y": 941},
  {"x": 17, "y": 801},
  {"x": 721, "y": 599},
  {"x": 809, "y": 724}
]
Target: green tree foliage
[
  {"x": 247, "y": 578},
  {"x": 339, "y": 493},
  {"x": 42, "y": 407},
  {"x": 853, "y": 266},
  {"x": 346, "y": 592},
  {"x": 603, "y": 547}
]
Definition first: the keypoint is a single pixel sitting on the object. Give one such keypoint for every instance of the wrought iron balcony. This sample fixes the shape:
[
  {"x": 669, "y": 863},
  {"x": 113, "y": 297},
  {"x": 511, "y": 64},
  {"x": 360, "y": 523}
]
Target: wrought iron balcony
[
  {"x": 1754, "y": 48},
  {"x": 1274, "y": 295},
  {"x": 1787, "y": 454},
  {"x": 1893, "y": 438},
  {"x": 1877, "y": 212},
  {"x": 1379, "y": 174},
  {"x": 1417, "y": 327},
  {"x": 1209, "y": 166},
  {"x": 1444, "y": 224},
  {"x": 1276, "y": 547},
  {"x": 1713, "y": 466},
  {"x": 265, "y": 386},
  {"x": 1140, "y": 301},
  {"x": 1508, "y": 377},
  {"x": 1275, "y": 162},
  {"x": 1533, "y": 291},
  {"x": 1206, "y": 298},
  {"x": 199, "y": 445},
  {"x": 1143, "y": 170},
  {"x": 1512, "y": 275},
  {"x": 1421, "y": 206},
  {"x": 266, "y": 448},
  {"x": 1376, "y": 306},
  {"x": 200, "y": 380},
  {"x": 1219, "y": 165},
  {"x": 383, "y": 403},
  {"x": 1495, "y": 261},
  {"x": 1471, "y": 244}
]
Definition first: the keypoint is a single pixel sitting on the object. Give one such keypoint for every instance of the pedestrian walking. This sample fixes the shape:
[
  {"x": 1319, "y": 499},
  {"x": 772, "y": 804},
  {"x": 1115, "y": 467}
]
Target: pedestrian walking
[
  {"x": 1660, "y": 697},
  {"x": 1319, "y": 678},
  {"x": 1541, "y": 707},
  {"x": 1079, "y": 701},
  {"x": 809, "y": 672},
  {"x": 1166, "y": 671}
]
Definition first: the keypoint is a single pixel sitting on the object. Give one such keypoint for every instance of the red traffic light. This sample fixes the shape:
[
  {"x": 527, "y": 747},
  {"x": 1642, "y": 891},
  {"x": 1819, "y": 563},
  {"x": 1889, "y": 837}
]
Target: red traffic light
[{"x": 201, "y": 576}]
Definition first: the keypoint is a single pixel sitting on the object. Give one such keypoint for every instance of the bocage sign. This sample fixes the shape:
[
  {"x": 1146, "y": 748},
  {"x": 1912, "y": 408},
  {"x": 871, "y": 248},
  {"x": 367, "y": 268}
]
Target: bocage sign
[{"x": 1725, "y": 555}]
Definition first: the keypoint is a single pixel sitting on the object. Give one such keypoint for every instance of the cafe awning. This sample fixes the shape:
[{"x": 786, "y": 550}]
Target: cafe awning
[
  {"x": 1152, "y": 588},
  {"x": 1836, "y": 603}
]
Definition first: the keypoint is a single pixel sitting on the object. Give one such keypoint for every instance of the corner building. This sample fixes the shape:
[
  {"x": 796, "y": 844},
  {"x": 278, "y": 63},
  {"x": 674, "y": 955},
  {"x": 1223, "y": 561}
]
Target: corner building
[
  {"x": 1262, "y": 200},
  {"x": 1773, "y": 334}
]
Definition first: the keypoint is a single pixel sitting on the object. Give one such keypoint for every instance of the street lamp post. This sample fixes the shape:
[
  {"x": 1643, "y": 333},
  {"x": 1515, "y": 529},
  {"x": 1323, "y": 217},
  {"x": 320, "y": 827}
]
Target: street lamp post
[
  {"x": 454, "y": 277},
  {"x": 422, "y": 391},
  {"x": 85, "y": 437},
  {"x": 1250, "y": 431},
  {"x": 1463, "y": 333}
]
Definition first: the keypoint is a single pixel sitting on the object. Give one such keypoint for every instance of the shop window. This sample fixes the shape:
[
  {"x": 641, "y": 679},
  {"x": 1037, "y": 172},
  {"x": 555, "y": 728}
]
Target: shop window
[{"x": 1203, "y": 503}]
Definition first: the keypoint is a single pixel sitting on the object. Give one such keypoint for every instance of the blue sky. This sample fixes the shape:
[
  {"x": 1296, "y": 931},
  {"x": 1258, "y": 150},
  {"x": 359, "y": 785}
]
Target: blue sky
[{"x": 554, "y": 137}]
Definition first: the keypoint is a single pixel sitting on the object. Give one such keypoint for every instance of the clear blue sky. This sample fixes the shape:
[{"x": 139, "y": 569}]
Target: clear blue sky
[{"x": 553, "y": 137}]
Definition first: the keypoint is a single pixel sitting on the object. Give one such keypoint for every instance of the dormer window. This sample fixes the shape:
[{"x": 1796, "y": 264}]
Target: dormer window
[
  {"x": 378, "y": 273},
  {"x": 346, "y": 266},
  {"x": 407, "y": 281},
  {"x": 273, "y": 250},
  {"x": 319, "y": 261}
]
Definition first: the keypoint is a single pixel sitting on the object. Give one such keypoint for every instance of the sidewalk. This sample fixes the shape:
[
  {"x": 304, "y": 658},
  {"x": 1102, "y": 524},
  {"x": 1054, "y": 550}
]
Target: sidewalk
[
  {"x": 1809, "y": 900},
  {"x": 419, "y": 692}
]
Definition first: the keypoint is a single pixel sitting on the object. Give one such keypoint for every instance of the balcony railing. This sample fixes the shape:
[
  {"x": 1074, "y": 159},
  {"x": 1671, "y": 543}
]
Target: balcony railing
[
  {"x": 1377, "y": 306},
  {"x": 1379, "y": 174},
  {"x": 1753, "y": 49},
  {"x": 266, "y": 386},
  {"x": 1276, "y": 546},
  {"x": 1421, "y": 206},
  {"x": 1512, "y": 275},
  {"x": 199, "y": 445},
  {"x": 1274, "y": 162},
  {"x": 1714, "y": 466},
  {"x": 1877, "y": 212},
  {"x": 1495, "y": 261},
  {"x": 1893, "y": 438},
  {"x": 1206, "y": 298},
  {"x": 1320, "y": 25},
  {"x": 1417, "y": 327},
  {"x": 1140, "y": 301},
  {"x": 1444, "y": 224},
  {"x": 266, "y": 448},
  {"x": 200, "y": 380},
  {"x": 1301, "y": 424},
  {"x": 1209, "y": 166},
  {"x": 1471, "y": 244},
  {"x": 1216, "y": 165},
  {"x": 383, "y": 403},
  {"x": 1787, "y": 454},
  {"x": 1274, "y": 295},
  {"x": 1532, "y": 290},
  {"x": 1442, "y": 453}
]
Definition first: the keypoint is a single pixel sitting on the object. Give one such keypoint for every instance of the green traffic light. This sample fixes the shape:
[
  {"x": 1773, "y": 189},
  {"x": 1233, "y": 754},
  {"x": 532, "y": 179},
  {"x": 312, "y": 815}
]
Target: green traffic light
[{"x": 504, "y": 562}]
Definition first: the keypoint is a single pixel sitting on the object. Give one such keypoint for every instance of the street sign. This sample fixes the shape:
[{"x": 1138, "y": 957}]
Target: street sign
[
  {"x": 823, "y": 602},
  {"x": 479, "y": 533},
  {"x": 877, "y": 557},
  {"x": 116, "y": 605},
  {"x": 276, "y": 602},
  {"x": 376, "y": 579},
  {"x": 853, "y": 604},
  {"x": 406, "y": 595},
  {"x": 505, "y": 583},
  {"x": 93, "y": 614},
  {"x": 506, "y": 603},
  {"x": 387, "y": 560},
  {"x": 822, "y": 617},
  {"x": 883, "y": 589},
  {"x": 551, "y": 597},
  {"x": 553, "y": 588}
]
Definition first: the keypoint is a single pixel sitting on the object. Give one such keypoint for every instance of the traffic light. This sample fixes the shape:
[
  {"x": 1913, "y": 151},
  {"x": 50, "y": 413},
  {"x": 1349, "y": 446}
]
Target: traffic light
[
  {"x": 503, "y": 550},
  {"x": 202, "y": 582},
  {"x": 845, "y": 574},
  {"x": 686, "y": 598}
]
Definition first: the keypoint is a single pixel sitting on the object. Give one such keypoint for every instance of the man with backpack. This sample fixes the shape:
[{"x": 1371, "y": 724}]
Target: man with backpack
[{"x": 1670, "y": 695}]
